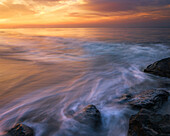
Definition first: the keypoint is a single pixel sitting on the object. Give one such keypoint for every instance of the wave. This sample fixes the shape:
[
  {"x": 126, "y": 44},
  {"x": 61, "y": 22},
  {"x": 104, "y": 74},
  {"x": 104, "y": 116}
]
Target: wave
[{"x": 81, "y": 72}]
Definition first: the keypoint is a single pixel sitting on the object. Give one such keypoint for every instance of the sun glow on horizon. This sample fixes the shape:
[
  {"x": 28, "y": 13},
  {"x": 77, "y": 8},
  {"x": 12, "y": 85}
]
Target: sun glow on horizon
[{"x": 81, "y": 12}]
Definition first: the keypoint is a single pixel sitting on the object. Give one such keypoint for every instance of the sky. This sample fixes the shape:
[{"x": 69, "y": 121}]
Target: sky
[{"x": 84, "y": 13}]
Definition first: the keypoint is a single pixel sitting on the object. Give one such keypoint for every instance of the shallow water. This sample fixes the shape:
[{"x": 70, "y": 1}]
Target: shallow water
[{"x": 46, "y": 74}]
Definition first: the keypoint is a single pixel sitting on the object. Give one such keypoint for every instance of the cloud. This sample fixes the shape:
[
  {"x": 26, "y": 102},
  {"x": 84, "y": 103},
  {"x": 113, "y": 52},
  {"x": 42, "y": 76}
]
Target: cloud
[
  {"x": 122, "y": 5},
  {"x": 108, "y": 6},
  {"x": 14, "y": 10},
  {"x": 82, "y": 12}
]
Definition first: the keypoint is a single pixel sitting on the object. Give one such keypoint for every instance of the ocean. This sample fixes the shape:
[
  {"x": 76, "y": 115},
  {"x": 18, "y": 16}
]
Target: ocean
[{"x": 48, "y": 73}]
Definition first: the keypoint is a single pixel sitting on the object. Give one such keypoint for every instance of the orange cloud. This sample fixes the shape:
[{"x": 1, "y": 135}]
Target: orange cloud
[{"x": 82, "y": 13}]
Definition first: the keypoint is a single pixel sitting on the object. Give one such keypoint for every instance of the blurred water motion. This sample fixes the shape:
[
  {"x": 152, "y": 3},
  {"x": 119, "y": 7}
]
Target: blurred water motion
[{"x": 46, "y": 73}]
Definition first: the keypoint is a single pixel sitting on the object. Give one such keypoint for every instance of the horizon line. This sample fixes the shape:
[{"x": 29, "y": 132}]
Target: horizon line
[{"x": 74, "y": 27}]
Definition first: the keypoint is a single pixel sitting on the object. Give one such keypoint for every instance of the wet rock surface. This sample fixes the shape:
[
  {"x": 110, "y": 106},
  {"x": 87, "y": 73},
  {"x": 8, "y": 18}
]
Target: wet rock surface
[
  {"x": 124, "y": 99},
  {"x": 147, "y": 123},
  {"x": 160, "y": 68},
  {"x": 149, "y": 99},
  {"x": 20, "y": 130},
  {"x": 90, "y": 116}
]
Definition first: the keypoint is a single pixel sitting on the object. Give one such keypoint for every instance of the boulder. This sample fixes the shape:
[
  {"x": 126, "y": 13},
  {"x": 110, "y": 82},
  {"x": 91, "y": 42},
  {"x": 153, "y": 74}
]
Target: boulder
[
  {"x": 160, "y": 68},
  {"x": 147, "y": 123},
  {"x": 20, "y": 130},
  {"x": 90, "y": 116},
  {"x": 149, "y": 99}
]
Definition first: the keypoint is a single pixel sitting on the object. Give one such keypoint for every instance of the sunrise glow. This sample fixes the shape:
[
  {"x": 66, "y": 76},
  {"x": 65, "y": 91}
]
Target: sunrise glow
[{"x": 83, "y": 13}]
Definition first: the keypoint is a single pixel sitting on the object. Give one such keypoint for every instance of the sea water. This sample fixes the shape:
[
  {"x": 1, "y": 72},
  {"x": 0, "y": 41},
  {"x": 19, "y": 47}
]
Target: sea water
[{"x": 48, "y": 73}]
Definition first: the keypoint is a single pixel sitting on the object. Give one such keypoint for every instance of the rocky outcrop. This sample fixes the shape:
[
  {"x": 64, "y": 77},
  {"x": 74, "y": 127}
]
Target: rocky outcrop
[
  {"x": 147, "y": 123},
  {"x": 20, "y": 130},
  {"x": 90, "y": 116},
  {"x": 160, "y": 68},
  {"x": 149, "y": 99}
]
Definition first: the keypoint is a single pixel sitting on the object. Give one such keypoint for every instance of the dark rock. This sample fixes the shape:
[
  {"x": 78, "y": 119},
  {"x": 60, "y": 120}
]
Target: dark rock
[
  {"x": 90, "y": 116},
  {"x": 149, "y": 99},
  {"x": 147, "y": 123},
  {"x": 20, "y": 130},
  {"x": 124, "y": 98},
  {"x": 160, "y": 68}
]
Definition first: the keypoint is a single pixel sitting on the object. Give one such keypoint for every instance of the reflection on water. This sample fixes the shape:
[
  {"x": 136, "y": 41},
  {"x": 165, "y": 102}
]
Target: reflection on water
[
  {"x": 118, "y": 35},
  {"x": 47, "y": 73}
]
